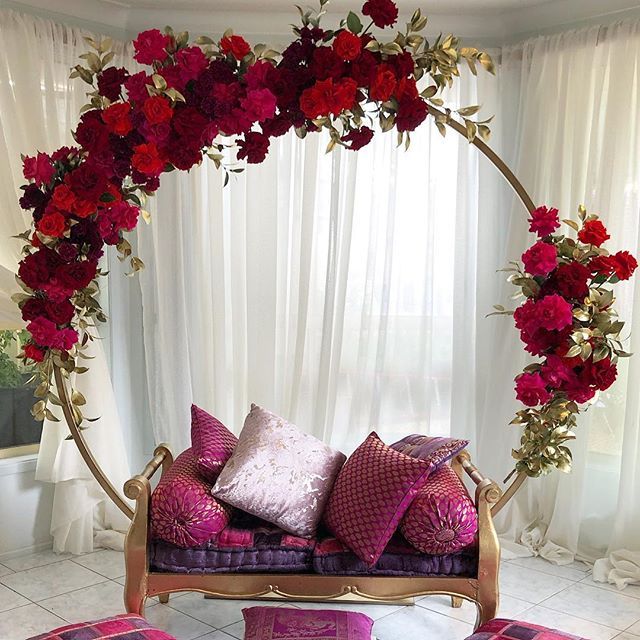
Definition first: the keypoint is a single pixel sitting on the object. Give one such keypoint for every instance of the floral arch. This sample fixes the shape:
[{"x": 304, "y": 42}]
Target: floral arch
[{"x": 226, "y": 99}]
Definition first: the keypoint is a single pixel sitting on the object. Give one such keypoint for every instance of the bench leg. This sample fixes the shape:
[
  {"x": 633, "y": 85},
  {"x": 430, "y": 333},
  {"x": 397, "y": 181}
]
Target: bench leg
[
  {"x": 456, "y": 602},
  {"x": 164, "y": 598}
]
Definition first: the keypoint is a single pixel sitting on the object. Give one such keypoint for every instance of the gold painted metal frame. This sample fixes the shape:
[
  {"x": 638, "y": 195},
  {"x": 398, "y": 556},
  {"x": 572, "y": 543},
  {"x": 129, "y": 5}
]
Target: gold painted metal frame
[{"x": 142, "y": 583}]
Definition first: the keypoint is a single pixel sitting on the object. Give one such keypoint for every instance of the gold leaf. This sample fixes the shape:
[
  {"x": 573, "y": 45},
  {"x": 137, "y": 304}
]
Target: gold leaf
[
  {"x": 572, "y": 223},
  {"x": 146, "y": 216},
  {"x": 78, "y": 399}
]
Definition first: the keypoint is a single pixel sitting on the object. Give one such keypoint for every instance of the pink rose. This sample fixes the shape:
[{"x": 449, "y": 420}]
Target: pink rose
[
  {"x": 544, "y": 221},
  {"x": 531, "y": 389},
  {"x": 260, "y": 104},
  {"x": 553, "y": 313},
  {"x": 38, "y": 168},
  {"x": 150, "y": 46},
  {"x": 555, "y": 371},
  {"x": 540, "y": 259},
  {"x": 46, "y": 334},
  {"x": 191, "y": 63}
]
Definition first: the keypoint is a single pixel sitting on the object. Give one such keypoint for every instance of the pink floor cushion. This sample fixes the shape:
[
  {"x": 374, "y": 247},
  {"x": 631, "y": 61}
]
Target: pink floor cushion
[
  {"x": 442, "y": 518},
  {"x": 127, "y": 626},
  {"x": 502, "y": 629},
  {"x": 436, "y": 449},
  {"x": 183, "y": 511},
  {"x": 212, "y": 443},
  {"x": 281, "y": 623},
  {"x": 371, "y": 494}
]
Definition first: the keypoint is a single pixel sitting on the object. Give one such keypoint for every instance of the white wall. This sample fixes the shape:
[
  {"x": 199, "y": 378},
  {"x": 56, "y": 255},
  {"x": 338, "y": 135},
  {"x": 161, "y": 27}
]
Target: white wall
[{"x": 25, "y": 508}]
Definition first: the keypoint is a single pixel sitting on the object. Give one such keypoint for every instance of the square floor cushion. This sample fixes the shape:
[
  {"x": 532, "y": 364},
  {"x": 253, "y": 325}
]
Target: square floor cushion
[
  {"x": 127, "y": 626},
  {"x": 503, "y": 629},
  {"x": 282, "y": 623}
]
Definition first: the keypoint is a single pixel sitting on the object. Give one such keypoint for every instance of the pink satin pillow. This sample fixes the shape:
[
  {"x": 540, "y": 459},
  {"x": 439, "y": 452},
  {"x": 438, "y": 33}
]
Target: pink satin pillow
[
  {"x": 371, "y": 494},
  {"x": 434, "y": 449},
  {"x": 443, "y": 518},
  {"x": 279, "y": 473},
  {"x": 212, "y": 443},
  {"x": 282, "y": 623},
  {"x": 183, "y": 511}
]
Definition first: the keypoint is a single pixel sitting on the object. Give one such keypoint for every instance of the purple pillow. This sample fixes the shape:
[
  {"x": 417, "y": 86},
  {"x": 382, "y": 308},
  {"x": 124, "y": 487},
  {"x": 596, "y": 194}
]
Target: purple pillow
[
  {"x": 212, "y": 443},
  {"x": 435, "y": 449},
  {"x": 371, "y": 494},
  {"x": 183, "y": 511},
  {"x": 282, "y": 623},
  {"x": 442, "y": 519}
]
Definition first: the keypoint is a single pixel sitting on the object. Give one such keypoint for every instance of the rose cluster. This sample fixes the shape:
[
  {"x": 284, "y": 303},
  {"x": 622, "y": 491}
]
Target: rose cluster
[{"x": 567, "y": 321}]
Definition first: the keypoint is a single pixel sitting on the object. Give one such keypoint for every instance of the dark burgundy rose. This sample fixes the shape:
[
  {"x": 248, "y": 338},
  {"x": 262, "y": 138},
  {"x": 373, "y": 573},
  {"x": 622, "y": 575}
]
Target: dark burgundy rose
[
  {"x": 221, "y": 72},
  {"x": 411, "y": 113},
  {"x": 32, "y": 197},
  {"x": 327, "y": 64},
  {"x": 182, "y": 155},
  {"x": 571, "y": 280},
  {"x": 402, "y": 63},
  {"x": 63, "y": 153},
  {"x": 35, "y": 269},
  {"x": 358, "y": 138},
  {"x": 254, "y": 147},
  {"x": 297, "y": 52},
  {"x": 110, "y": 82},
  {"x": 384, "y": 13},
  {"x": 152, "y": 183},
  {"x": 86, "y": 233},
  {"x": 77, "y": 275},
  {"x": 87, "y": 182},
  {"x": 189, "y": 124},
  {"x": 60, "y": 312},
  {"x": 312, "y": 33},
  {"x": 91, "y": 133},
  {"x": 363, "y": 68},
  {"x": 278, "y": 126},
  {"x": 67, "y": 251},
  {"x": 33, "y": 308}
]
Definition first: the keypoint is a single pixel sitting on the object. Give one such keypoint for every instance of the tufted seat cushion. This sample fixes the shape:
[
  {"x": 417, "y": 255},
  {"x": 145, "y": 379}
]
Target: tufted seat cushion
[
  {"x": 183, "y": 511},
  {"x": 442, "y": 518}
]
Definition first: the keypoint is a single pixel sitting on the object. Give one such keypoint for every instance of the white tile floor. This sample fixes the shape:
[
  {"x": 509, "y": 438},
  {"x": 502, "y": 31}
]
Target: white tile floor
[{"x": 41, "y": 591}]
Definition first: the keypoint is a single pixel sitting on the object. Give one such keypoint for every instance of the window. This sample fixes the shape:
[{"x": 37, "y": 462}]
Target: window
[{"x": 19, "y": 432}]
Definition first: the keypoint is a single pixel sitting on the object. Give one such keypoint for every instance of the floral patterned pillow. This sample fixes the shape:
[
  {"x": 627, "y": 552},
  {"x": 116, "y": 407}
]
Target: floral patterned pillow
[
  {"x": 281, "y": 623},
  {"x": 212, "y": 443},
  {"x": 435, "y": 449}
]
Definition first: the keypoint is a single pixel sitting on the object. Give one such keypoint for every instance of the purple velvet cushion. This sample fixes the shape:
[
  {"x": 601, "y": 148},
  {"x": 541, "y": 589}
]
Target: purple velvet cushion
[
  {"x": 371, "y": 494},
  {"x": 183, "y": 511},
  {"x": 435, "y": 449},
  {"x": 279, "y": 473},
  {"x": 212, "y": 443},
  {"x": 127, "y": 626},
  {"x": 282, "y": 623},
  {"x": 442, "y": 518}
]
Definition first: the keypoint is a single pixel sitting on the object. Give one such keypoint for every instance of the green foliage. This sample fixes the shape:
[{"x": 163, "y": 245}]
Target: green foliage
[{"x": 10, "y": 369}]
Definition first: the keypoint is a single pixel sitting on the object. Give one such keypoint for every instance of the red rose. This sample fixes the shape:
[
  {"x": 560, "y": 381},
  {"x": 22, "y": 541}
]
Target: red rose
[
  {"x": 52, "y": 224},
  {"x": 384, "y": 13},
  {"x": 624, "y": 264},
  {"x": 150, "y": 46},
  {"x": 190, "y": 125},
  {"x": 91, "y": 133},
  {"x": 358, "y": 138},
  {"x": 326, "y": 63},
  {"x": 191, "y": 63},
  {"x": 325, "y": 97},
  {"x": 411, "y": 113},
  {"x": 544, "y": 221},
  {"x": 39, "y": 168},
  {"x": 60, "y": 312},
  {"x": 237, "y": 46},
  {"x": 383, "y": 84},
  {"x": 63, "y": 198},
  {"x": 110, "y": 82},
  {"x": 578, "y": 392},
  {"x": 77, "y": 275},
  {"x": 531, "y": 389},
  {"x": 147, "y": 159},
  {"x": 602, "y": 265},
  {"x": 254, "y": 147},
  {"x": 33, "y": 352},
  {"x": 117, "y": 118},
  {"x": 540, "y": 259},
  {"x": 571, "y": 280},
  {"x": 157, "y": 109},
  {"x": 260, "y": 104},
  {"x": 593, "y": 232},
  {"x": 347, "y": 45},
  {"x": 601, "y": 374},
  {"x": 83, "y": 208},
  {"x": 136, "y": 86},
  {"x": 363, "y": 67},
  {"x": 406, "y": 89},
  {"x": 553, "y": 313}
]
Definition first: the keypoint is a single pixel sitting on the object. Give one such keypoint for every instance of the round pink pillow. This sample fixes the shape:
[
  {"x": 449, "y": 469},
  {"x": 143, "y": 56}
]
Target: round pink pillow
[{"x": 442, "y": 519}]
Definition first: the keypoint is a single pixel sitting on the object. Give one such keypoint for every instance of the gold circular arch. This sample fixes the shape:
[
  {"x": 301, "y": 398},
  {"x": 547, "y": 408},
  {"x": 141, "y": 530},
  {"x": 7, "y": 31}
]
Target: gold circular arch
[{"x": 115, "y": 495}]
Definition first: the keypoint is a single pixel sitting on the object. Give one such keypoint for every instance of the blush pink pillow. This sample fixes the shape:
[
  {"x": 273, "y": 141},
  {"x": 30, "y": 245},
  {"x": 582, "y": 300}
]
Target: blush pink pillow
[
  {"x": 279, "y": 473},
  {"x": 212, "y": 443},
  {"x": 282, "y": 623},
  {"x": 183, "y": 511},
  {"x": 443, "y": 518},
  {"x": 371, "y": 494}
]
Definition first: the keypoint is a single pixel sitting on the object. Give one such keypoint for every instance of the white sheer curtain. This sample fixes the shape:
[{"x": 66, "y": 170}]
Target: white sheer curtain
[
  {"x": 578, "y": 141},
  {"x": 39, "y": 106},
  {"x": 344, "y": 291}
]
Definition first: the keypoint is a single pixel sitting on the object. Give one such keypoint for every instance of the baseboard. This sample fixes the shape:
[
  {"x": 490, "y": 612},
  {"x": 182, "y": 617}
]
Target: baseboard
[{"x": 34, "y": 548}]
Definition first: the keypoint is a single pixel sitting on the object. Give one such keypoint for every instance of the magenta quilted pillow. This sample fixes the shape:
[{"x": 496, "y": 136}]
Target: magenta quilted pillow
[
  {"x": 212, "y": 443},
  {"x": 282, "y": 623},
  {"x": 183, "y": 511},
  {"x": 435, "y": 449},
  {"x": 127, "y": 626},
  {"x": 504, "y": 629},
  {"x": 371, "y": 494},
  {"x": 442, "y": 519}
]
